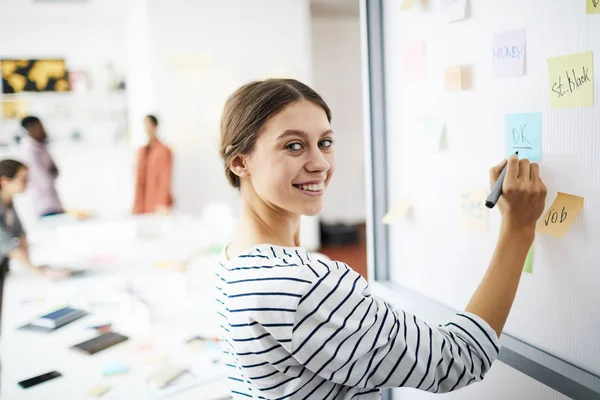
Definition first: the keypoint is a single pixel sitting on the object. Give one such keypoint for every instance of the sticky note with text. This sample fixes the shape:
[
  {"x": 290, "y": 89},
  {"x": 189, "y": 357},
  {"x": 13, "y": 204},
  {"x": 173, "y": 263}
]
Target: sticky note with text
[
  {"x": 524, "y": 134},
  {"x": 572, "y": 80},
  {"x": 592, "y": 6},
  {"x": 508, "y": 53},
  {"x": 561, "y": 215}
]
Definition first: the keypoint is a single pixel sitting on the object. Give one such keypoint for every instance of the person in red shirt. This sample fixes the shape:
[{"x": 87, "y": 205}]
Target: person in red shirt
[{"x": 153, "y": 174}]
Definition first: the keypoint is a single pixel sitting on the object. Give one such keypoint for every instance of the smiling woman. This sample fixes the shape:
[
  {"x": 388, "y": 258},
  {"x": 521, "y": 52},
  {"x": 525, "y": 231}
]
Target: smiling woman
[{"x": 294, "y": 326}]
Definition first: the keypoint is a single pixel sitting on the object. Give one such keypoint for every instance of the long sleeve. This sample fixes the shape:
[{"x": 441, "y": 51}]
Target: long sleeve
[{"x": 346, "y": 336}]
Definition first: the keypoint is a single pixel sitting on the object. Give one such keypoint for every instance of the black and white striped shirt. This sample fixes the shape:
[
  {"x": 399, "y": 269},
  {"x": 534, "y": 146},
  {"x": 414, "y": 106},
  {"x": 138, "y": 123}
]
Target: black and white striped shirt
[{"x": 299, "y": 328}]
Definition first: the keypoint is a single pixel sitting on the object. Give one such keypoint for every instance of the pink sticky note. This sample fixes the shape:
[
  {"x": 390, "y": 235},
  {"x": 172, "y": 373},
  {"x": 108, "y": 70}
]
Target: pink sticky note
[{"x": 413, "y": 62}]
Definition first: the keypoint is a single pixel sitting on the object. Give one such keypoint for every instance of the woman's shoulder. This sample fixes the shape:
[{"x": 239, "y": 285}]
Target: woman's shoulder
[{"x": 294, "y": 260}]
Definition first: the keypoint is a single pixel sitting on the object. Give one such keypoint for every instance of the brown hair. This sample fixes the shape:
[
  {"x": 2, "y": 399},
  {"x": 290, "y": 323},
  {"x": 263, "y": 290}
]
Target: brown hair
[
  {"x": 250, "y": 107},
  {"x": 9, "y": 168}
]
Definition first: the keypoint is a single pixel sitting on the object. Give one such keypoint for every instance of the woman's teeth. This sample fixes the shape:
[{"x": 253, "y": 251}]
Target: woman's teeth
[{"x": 311, "y": 188}]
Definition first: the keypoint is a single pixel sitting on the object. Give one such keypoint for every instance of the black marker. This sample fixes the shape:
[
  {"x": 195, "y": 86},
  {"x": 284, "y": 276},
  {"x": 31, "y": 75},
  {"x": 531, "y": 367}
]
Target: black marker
[{"x": 497, "y": 189}]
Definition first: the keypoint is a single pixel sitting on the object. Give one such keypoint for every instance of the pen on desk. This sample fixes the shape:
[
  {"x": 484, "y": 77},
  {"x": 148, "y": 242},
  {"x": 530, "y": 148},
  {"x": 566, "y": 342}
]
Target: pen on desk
[{"x": 497, "y": 189}]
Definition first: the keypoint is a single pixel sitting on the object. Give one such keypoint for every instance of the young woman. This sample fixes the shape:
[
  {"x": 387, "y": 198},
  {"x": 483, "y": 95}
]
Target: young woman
[
  {"x": 300, "y": 328},
  {"x": 13, "y": 243}
]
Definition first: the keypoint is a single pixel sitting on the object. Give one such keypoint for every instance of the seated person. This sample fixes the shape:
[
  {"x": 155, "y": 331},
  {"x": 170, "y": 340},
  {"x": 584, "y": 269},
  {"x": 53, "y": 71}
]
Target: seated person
[{"x": 13, "y": 243}]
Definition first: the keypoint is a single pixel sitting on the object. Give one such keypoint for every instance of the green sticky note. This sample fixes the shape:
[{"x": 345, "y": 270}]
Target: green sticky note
[
  {"x": 528, "y": 267},
  {"x": 592, "y": 6}
]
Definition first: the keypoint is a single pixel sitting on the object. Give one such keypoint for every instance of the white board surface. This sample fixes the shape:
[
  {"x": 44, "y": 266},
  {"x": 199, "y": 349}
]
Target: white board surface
[{"x": 557, "y": 308}]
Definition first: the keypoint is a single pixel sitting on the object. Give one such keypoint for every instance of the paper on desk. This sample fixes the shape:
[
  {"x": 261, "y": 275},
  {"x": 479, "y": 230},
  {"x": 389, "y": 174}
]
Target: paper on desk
[
  {"x": 201, "y": 372},
  {"x": 98, "y": 391},
  {"x": 397, "y": 211},
  {"x": 561, "y": 215}
]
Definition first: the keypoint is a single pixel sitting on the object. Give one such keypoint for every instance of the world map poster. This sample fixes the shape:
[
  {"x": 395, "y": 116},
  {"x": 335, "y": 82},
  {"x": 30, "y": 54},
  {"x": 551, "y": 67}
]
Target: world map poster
[{"x": 34, "y": 76}]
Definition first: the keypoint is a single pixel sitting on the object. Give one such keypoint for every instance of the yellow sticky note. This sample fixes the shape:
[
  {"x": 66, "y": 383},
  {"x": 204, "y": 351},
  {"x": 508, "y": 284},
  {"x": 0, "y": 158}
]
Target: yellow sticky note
[
  {"x": 408, "y": 4},
  {"x": 592, "y": 7},
  {"x": 397, "y": 211},
  {"x": 572, "y": 80},
  {"x": 458, "y": 77},
  {"x": 473, "y": 213},
  {"x": 98, "y": 391},
  {"x": 561, "y": 215}
]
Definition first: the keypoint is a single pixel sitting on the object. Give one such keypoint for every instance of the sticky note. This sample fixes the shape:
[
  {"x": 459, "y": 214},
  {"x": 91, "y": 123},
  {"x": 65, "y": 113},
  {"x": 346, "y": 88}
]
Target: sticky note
[
  {"x": 524, "y": 134},
  {"x": 473, "y": 213},
  {"x": 561, "y": 215},
  {"x": 592, "y": 6},
  {"x": 408, "y": 4},
  {"x": 454, "y": 10},
  {"x": 572, "y": 80},
  {"x": 433, "y": 133},
  {"x": 98, "y": 391},
  {"x": 400, "y": 209},
  {"x": 458, "y": 77},
  {"x": 528, "y": 266},
  {"x": 413, "y": 62},
  {"x": 113, "y": 369},
  {"x": 508, "y": 54}
]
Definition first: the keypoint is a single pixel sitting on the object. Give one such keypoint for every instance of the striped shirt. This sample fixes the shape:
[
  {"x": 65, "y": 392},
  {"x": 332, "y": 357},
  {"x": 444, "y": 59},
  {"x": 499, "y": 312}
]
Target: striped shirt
[{"x": 294, "y": 327}]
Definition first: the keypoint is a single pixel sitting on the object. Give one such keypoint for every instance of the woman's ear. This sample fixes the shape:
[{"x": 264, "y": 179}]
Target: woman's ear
[{"x": 239, "y": 166}]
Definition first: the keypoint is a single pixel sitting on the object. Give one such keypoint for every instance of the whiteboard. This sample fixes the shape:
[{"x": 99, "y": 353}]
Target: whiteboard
[{"x": 557, "y": 308}]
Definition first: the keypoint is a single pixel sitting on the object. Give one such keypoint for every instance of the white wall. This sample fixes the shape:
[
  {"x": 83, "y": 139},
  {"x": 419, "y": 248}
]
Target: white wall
[
  {"x": 199, "y": 52},
  {"x": 337, "y": 77}
]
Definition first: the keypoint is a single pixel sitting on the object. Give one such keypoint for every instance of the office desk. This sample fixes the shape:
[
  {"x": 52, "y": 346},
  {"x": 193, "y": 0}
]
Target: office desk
[{"x": 132, "y": 286}]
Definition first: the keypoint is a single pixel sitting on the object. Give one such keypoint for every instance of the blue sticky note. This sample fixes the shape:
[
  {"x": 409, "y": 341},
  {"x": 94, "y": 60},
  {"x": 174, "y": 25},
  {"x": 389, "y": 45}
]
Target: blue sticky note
[{"x": 524, "y": 134}]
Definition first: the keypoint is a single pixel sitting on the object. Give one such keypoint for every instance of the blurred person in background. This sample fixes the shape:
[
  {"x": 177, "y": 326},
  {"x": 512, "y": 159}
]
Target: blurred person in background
[
  {"x": 13, "y": 242},
  {"x": 42, "y": 169},
  {"x": 153, "y": 174}
]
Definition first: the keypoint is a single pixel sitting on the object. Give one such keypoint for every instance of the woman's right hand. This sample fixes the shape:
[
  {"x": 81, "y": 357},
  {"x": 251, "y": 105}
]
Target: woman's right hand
[{"x": 523, "y": 194}]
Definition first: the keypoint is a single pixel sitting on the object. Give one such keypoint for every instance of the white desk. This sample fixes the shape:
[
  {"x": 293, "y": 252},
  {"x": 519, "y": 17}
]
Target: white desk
[{"x": 179, "y": 305}]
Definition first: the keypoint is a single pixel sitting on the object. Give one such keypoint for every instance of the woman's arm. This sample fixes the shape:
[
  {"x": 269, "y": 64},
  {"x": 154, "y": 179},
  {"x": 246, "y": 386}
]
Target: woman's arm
[
  {"x": 21, "y": 254},
  {"x": 521, "y": 205}
]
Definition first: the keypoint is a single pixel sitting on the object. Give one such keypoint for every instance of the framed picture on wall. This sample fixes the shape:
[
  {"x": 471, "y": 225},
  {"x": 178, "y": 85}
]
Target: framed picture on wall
[{"x": 42, "y": 75}]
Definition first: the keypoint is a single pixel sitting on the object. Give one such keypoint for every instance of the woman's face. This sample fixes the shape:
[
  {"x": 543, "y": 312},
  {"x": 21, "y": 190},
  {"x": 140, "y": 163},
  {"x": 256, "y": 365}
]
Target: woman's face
[
  {"x": 293, "y": 160},
  {"x": 18, "y": 184},
  {"x": 150, "y": 128}
]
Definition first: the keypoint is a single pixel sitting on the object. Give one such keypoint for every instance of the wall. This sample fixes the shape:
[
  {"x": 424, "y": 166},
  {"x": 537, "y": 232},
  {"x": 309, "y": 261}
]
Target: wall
[{"x": 337, "y": 77}]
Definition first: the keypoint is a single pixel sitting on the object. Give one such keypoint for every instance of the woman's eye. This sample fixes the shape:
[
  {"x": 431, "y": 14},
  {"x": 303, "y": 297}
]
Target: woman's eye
[
  {"x": 326, "y": 143},
  {"x": 294, "y": 146}
]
